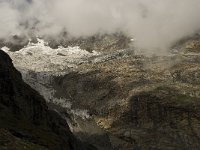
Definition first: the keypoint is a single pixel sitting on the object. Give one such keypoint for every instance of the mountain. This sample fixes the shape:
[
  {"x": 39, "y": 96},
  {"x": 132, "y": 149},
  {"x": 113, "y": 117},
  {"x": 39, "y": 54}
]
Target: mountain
[
  {"x": 25, "y": 120},
  {"x": 119, "y": 98}
]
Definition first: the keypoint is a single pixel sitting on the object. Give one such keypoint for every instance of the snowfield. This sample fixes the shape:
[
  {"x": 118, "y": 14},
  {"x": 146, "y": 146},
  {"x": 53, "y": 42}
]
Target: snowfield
[
  {"x": 39, "y": 63},
  {"x": 40, "y": 57}
]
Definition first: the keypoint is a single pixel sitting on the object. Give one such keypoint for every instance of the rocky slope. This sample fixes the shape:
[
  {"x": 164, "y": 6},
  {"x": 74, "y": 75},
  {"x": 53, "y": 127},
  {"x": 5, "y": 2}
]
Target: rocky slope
[
  {"x": 108, "y": 42},
  {"x": 25, "y": 120},
  {"x": 119, "y": 98}
]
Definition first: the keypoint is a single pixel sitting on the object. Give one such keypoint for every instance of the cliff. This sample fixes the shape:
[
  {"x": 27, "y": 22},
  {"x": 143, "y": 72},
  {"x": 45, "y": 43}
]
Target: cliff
[{"x": 25, "y": 120}]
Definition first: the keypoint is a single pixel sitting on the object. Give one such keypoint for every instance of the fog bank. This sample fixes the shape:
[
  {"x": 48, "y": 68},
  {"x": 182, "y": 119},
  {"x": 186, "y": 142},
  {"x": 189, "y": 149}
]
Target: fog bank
[{"x": 155, "y": 25}]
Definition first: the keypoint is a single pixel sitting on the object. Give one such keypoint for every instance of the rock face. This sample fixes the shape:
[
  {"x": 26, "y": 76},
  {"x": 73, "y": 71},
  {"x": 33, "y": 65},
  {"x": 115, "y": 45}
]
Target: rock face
[
  {"x": 139, "y": 102},
  {"x": 25, "y": 120}
]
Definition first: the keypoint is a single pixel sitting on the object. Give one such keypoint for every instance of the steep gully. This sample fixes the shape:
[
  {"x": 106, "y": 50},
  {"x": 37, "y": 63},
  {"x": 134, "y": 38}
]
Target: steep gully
[{"x": 25, "y": 120}]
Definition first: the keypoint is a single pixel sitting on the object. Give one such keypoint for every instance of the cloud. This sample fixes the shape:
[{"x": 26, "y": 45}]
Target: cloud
[{"x": 155, "y": 24}]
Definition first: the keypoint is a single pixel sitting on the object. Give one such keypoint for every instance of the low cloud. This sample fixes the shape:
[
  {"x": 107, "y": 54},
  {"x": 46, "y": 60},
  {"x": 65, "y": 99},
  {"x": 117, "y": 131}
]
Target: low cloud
[{"x": 155, "y": 25}]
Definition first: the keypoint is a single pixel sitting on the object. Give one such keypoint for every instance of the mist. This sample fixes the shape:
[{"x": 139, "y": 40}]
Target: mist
[{"x": 154, "y": 24}]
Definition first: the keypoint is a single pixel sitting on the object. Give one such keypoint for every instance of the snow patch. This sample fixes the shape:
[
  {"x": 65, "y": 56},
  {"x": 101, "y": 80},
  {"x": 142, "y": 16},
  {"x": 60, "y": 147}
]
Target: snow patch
[{"x": 5, "y": 49}]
